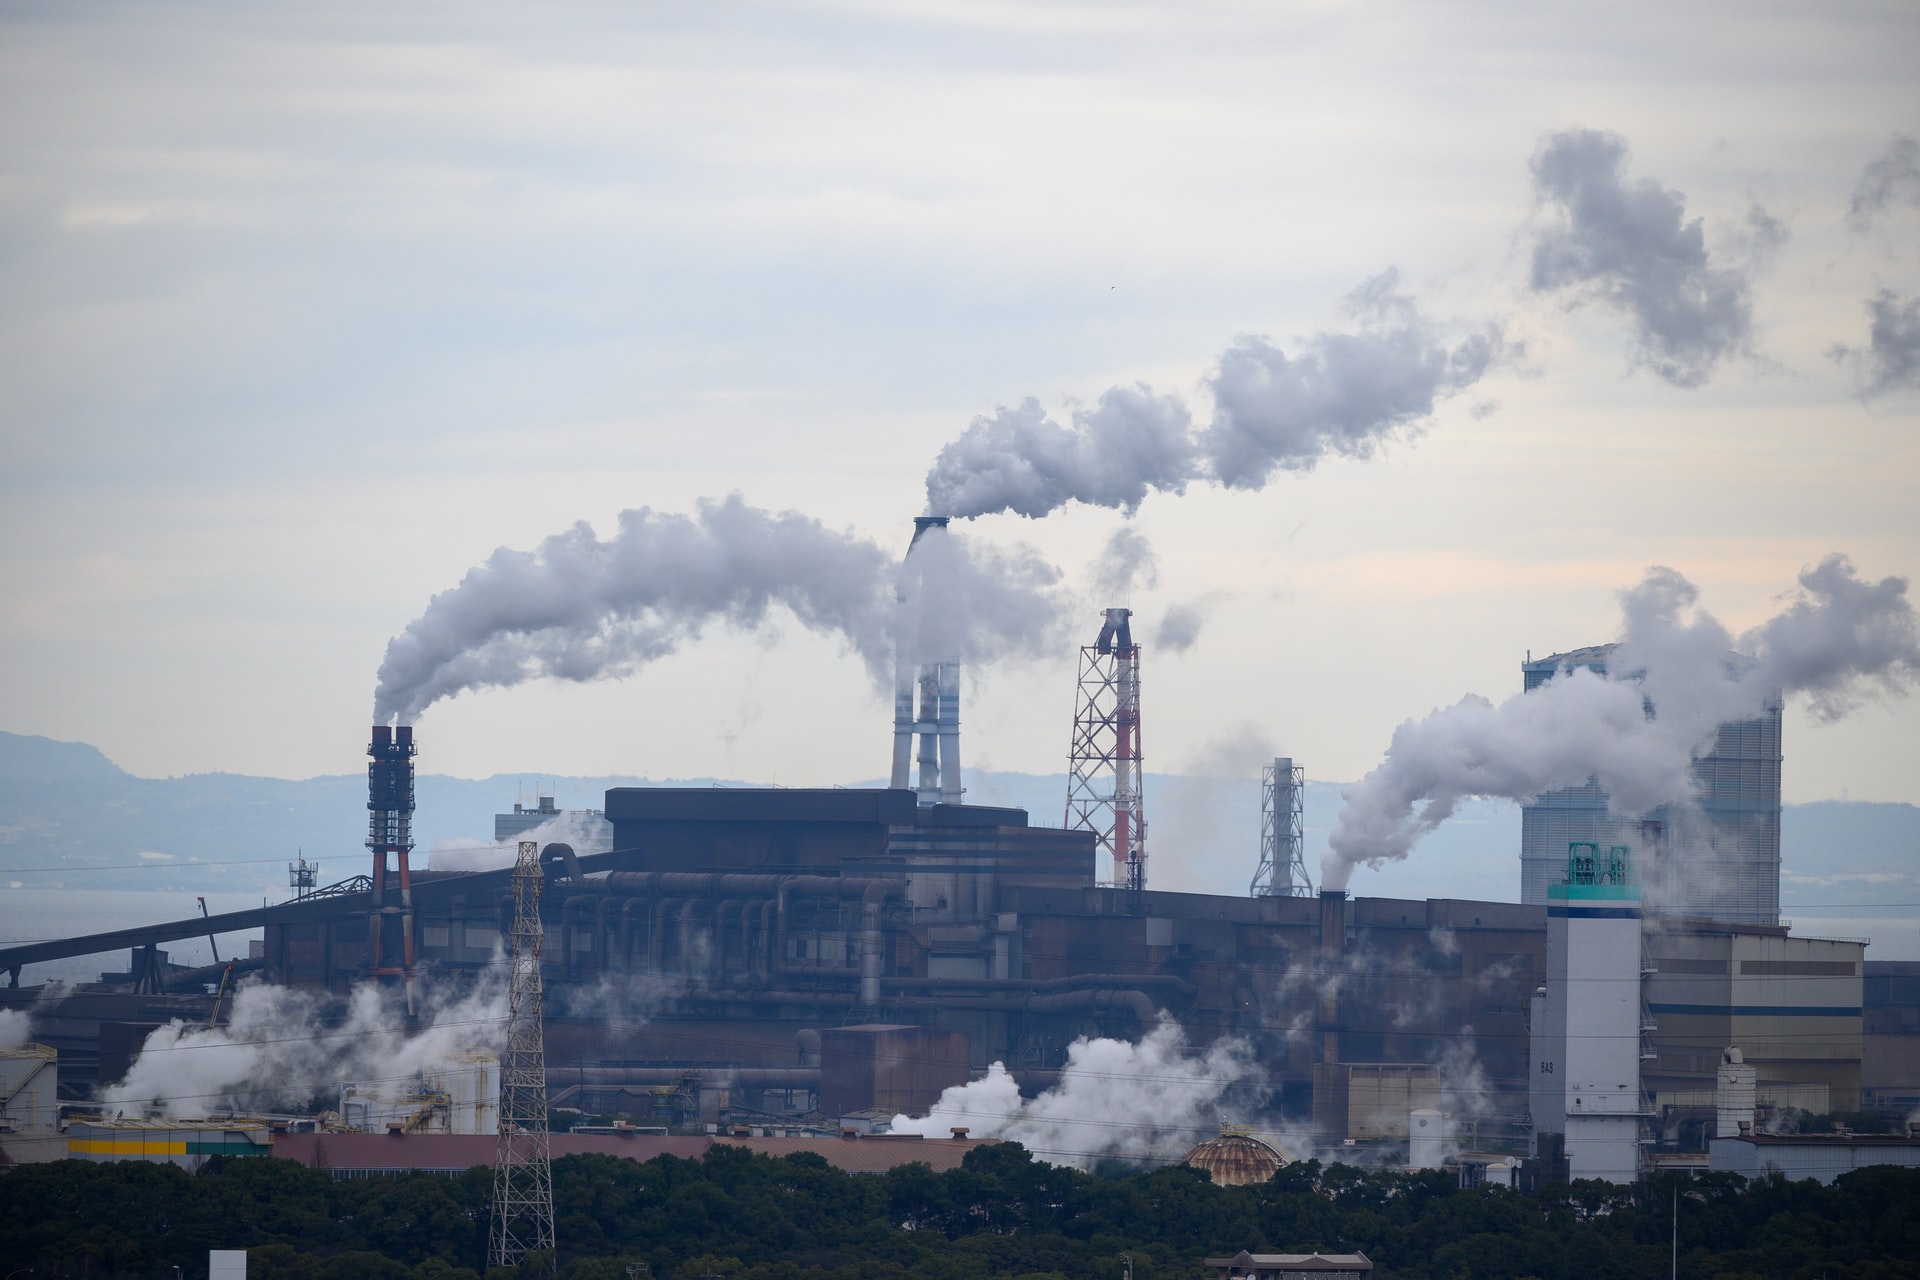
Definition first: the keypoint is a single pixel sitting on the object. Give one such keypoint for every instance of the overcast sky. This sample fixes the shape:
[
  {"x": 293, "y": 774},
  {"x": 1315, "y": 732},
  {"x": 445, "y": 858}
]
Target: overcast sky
[{"x": 307, "y": 308}]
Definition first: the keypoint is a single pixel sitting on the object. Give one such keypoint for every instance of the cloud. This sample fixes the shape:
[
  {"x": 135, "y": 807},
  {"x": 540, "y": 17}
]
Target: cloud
[
  {"x": 1631, "y": 246},
  {"x": 1891, "y": 360},
  {"x": 1892, "y": 176}
]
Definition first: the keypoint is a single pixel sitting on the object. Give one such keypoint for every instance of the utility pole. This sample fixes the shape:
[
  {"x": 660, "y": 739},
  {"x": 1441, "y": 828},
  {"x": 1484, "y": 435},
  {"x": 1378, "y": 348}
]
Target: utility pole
[{"x": 522, "y": 1167}]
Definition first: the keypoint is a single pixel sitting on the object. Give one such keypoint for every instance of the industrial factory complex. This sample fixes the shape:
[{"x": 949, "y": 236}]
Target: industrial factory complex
[{"x": 778, "y": 963}]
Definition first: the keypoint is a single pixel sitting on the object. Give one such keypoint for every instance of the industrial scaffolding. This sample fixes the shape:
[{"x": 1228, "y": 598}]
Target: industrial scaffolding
[
  {"x": 1283, "y": 865},
  {"x": 522, "y": 1167},
  {"x": 1104, "y": 791}
]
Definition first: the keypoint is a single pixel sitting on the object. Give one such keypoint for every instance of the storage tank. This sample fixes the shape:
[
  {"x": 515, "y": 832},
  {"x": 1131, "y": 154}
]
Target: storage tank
[
  {"x": 29, "y": 1088},
  {"x": 1426, "y": 1139},
  {"x": 1734, "y": 1093},
  {"x": 472, "y": 1085}
]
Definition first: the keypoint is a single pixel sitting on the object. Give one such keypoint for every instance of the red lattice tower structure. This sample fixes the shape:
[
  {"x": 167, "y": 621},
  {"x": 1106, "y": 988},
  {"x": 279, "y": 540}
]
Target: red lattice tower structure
[{"x": 1104, "y": 792}]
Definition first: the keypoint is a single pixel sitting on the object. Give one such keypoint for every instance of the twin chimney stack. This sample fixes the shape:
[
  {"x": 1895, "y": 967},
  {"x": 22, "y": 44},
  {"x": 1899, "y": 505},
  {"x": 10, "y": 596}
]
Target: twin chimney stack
[
  {"x": 936, "y": 719},
  {"x": 390, "y": 836}
]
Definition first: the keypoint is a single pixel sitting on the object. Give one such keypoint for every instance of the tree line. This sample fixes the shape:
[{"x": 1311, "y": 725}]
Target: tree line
[{"x": 735, "y": 1215}]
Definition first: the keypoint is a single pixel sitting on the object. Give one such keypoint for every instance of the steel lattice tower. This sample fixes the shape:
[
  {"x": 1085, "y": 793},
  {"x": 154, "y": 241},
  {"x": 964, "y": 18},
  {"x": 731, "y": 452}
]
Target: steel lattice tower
[
  {"x": 522, "y": 1168},
  {"x": 1283, "y": 864},
  {"x": 1103, "y": 766}
]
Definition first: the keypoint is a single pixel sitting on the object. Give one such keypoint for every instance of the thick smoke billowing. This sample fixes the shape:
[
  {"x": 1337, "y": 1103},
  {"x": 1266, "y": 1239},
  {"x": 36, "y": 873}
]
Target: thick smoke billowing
[
  {"x": 579, "y": 607},
  {"x": 1841, "y": 640},
  {"x": 1892, "y": 177},
  {"x": 279, "y": 1050},
  {"x": 16, "y": 1028},
  {"x": 1891, "y": 360},
  {"x": 1147, "y": 1101},
  {"x": 1132, "y": 442},
  {"x": 1631, "y": 246},
  {"x": 1125, "y": 561},
  {"x": 1340, "y": 394}
]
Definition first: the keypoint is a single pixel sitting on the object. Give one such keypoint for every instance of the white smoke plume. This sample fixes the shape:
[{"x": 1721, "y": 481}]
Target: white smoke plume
[
  {"x": 583, "y": 832},
  {"x": 1127, "y": 559},
  {"x": 1839, "y": 641},
  {"x": 16, "y": 1028},
  {"x": 1180, "y": 626},
  {"x": 279, "y": 1049},
  {"x": 956, "y": 601},
  {"x": 1150, "y": 1101},
  {"x": 1630, "y": 246},
  {"x": 580, "y": 607},
  {"x": 1340, "y": 394}
]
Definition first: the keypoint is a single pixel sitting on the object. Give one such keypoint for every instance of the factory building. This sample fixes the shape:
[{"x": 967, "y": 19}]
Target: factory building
[
  {"x": 588, "y": 830},
  {"x": 1719, "y": 862},
  {"x": 1819, "y": 1156},
  {"x": 187, "y": 1143}
]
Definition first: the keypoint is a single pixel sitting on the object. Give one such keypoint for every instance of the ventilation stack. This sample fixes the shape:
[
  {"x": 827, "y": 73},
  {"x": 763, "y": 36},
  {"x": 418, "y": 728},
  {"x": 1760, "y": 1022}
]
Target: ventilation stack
[
  {"x": 390, "y": 837},
  {"x": 1283, "y": 865},
  {"x": 1103, "y": 764},
  {"x": 926, "y": 707}
]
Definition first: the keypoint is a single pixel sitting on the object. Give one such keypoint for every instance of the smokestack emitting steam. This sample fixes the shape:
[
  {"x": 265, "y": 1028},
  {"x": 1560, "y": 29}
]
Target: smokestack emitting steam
[
  {"x": 580, "y": 608},
  {"x": 1839, "y": 640},
  {"x": 937, "y": 683},
  {"x": 1342, "y": 394}
]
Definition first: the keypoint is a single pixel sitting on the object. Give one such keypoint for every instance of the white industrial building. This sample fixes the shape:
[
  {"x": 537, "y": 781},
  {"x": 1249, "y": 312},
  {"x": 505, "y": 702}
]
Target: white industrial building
[{"x": 1588, "y": 1021}]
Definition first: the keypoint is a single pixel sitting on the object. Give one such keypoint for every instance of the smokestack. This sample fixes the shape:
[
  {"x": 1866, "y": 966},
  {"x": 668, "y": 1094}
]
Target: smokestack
[
  {"x": 1333, "y": 947},
  {"x": 390, "y": 835},
  {"x": 926, "y": 705},
  {"x": 949, "y": 733}
]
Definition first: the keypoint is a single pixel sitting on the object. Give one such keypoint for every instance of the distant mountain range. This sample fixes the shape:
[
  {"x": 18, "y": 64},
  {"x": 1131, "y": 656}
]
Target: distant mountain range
[{"x": 70, "y": 817}]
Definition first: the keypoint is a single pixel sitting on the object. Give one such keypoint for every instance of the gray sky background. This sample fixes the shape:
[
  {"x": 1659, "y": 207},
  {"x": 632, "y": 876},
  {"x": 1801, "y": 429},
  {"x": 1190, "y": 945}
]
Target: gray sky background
[{"x": 307, "y": 308}]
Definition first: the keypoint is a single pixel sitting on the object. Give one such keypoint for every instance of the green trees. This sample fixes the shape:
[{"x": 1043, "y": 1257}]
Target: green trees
[{"x": 736, "y": 1216}]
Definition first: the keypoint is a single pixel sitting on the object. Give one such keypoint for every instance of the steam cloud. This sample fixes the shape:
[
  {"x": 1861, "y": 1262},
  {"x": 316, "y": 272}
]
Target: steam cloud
[
  {"x": 1126, "y": 559},
  {"x": 278, "y": 1049},
  {"x": 1631, "y": 246},
  {"x": 1893, "y": 175},
  {"x": 1891, "y": 361},
  {"x": 582, "y": 608},
  {"x": 574, "y": 828},
  {"x": 1179, "y": 628},
  {"x": 1147, "y": 1101},
  {"x": 1342, "y": 394},
  {"x": 1840, "y": 641},
  {"x": 16, "y": 1028}
]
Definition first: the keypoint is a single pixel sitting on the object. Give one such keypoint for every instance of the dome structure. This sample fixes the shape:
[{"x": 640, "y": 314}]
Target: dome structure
[{"x": 1235, "y": 1159}]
